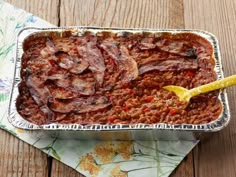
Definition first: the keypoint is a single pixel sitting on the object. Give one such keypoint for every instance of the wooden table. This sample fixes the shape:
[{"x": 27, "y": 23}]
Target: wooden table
[{"x": 215, "y": 157}]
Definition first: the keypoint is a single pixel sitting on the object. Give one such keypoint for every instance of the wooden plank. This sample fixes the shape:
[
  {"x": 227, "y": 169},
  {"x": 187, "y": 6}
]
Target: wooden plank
[
  {"x": 17, "y": 157},
  {"x": 20, "y": 159},
  {"x": 122, "y": 13},
  {"x": 61, "y": 170},
  {"x": 217, "y": 156},
  {"x": 47, "y": 10},
  {"x": 185, "y": 168},
  {"x": 128, "y": 14}
]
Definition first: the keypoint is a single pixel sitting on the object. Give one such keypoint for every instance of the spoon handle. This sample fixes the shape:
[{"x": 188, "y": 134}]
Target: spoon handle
[{"x": 223, "y": 83}]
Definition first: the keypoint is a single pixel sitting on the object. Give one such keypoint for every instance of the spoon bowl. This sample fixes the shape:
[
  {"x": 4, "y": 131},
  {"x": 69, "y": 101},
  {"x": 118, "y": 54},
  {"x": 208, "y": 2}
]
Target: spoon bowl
[{"x": 185, "y": 95}]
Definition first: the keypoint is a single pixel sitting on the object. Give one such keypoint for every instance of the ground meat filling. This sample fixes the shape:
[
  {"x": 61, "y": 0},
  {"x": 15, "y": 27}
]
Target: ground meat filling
[{"x": 110, "y": 78}]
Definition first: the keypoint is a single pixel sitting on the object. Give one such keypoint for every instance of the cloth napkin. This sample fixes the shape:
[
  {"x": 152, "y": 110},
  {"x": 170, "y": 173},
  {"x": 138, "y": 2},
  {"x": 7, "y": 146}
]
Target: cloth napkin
[{"x": 91, "y": 157}]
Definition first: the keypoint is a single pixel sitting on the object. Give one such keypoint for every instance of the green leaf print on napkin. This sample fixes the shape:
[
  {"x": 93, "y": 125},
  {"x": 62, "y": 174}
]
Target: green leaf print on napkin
[
  {"x": 50, "y": 150},
  {"x": 3, "y": 97},
  {"x": 10, "y": 131},
  {"x": 5, "y": 50}
]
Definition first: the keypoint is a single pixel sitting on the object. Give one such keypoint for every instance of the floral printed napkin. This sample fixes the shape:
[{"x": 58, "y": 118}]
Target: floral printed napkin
[{"x": 91, "y": 158}]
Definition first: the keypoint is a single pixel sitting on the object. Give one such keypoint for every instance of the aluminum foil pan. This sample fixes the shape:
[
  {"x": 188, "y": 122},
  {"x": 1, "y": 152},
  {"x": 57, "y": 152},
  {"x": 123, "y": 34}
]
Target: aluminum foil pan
[{"x": 118, "y": 131}]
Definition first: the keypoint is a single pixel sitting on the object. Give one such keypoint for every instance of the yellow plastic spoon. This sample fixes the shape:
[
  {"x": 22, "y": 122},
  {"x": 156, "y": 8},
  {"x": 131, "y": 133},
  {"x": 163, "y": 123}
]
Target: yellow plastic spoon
[{"x": 185, "y": 95}]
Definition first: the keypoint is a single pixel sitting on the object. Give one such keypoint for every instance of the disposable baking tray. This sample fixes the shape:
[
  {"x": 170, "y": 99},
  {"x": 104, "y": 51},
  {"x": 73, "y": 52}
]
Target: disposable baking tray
[{"x": 117, "y": 131}]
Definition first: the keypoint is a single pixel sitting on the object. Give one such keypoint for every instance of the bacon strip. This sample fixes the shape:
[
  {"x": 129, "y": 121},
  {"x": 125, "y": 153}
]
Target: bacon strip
[
  {"x": 39, "y": 64},
  {"x": 50, "y": 49},
  {"x": 79, "y": 67},
  {"x": 73, "y": 84},
  {"x": 40, "y": 94},
  {"x": 91, "y": 54},
  {"x": 169, "y": 65},
  {"x": 60, "y": 80},
  {"x": 126, "y": 64},
  {"x": 72, "y": 63},
  {"x": 83, "y": 87},
  {"x": 147, "y": 43},
  {"x": 80, "y": 105},
  {"x": 111, "y": 48},
  {"x": 62, "y": 93},
  {"x": 178, "y": 47}
]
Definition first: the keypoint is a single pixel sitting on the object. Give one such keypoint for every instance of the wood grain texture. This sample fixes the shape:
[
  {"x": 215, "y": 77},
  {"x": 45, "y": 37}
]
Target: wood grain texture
[
  {"x": 20, "y": 159},
  {"x": 47, "y": 10},
  {"x": 62, "y": 170},
  {"x": 122, "y": 13},
  {"x": 216, "y": 157},
  {"x": 185, "y": 168}
]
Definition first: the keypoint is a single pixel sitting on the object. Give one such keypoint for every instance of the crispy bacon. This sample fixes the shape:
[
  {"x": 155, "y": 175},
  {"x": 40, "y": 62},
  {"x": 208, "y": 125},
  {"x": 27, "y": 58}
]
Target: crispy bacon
[
  {"x": 64, "y": 44},
  {"x": 65, "y": 61},
  {"x": 83, "y": 87},
  {"x": 80, "y": 105},
  {"x": 73, "y": 83},
  {"x": 38, "y": 65},
  {"x": 50, "y": 49},
  {"x": 147, "y": 43},
  {"x": 36, "y": 87},
  {"x": 111, "y": 48},
  {"x": 91, "y": 54},
  {"x": 177, "y": 47},
  {"x": 62, "y": 93},
  {"x": 60, "y": 79},
  {"x": 40, "y": 94},
  {"x": 79, "y": 67},
  {"x": 169, "y": 65},
  {"x": 126, "y": 64},
  {"x": 72, "y": 63}
]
